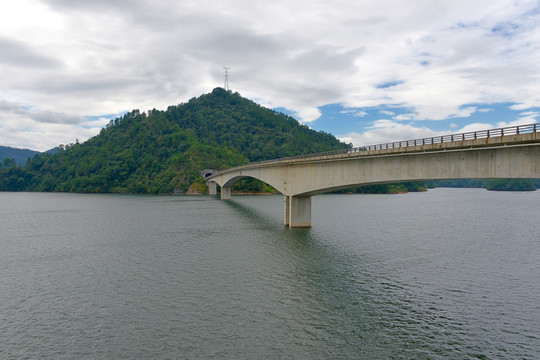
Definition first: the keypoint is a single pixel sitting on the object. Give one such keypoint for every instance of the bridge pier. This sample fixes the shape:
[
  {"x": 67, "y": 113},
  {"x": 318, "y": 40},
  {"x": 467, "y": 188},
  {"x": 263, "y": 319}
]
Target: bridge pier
[
  {"x": 286, "y": 202},
  {"x": 212, "y": 188},
  {"x": 297, "y": 211},
  {"x": 226, "y": 193}
]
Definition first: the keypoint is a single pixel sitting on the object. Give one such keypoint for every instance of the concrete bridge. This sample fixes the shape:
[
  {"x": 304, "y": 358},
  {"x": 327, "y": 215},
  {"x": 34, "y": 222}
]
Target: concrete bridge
[{"x": 512, "y": 152}]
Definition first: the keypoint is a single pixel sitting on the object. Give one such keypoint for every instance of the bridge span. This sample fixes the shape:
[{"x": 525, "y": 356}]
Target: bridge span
[{"x": 512, "y": 152}]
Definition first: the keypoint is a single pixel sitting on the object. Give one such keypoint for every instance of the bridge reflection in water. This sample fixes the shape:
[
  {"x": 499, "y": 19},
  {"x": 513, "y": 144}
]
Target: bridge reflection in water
[{"x": 511, "y": 152}]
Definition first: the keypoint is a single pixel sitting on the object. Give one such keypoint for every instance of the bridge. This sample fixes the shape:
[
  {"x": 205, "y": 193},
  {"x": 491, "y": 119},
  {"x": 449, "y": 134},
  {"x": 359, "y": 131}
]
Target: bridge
[{"x": 511, "y": 152}]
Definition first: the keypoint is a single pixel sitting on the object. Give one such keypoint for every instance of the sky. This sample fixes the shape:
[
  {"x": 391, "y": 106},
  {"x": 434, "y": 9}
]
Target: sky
[{"x": 367, "y": 72}]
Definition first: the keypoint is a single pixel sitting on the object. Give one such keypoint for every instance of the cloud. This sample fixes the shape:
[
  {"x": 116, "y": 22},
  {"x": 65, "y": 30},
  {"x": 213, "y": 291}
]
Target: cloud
[
  {"x": 49, "y": 117},
  {"x": 18, "y": 54},
  {"x": 24, "y": 127},
  {"x": 9, "y": 107},
  {"x": 354, "y": 112},
  {"x": 464, "y": 112},
  {"x": 474, "y": 127},
  {"x": 525, "y": 118},
  {"x": 402, "y": 117},
  {"x": 388, "y": 84},
  {"x": 385, "y": 131},
  {"x": 101, "y": 57},
  {"x": 23, "y": 134}
]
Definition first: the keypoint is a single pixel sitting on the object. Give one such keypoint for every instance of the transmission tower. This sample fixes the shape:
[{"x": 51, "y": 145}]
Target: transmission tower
[{"x": 226, "y": 84}]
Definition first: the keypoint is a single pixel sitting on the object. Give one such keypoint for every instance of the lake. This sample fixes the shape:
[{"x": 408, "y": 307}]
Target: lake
[{"x": 444, "y": 274}]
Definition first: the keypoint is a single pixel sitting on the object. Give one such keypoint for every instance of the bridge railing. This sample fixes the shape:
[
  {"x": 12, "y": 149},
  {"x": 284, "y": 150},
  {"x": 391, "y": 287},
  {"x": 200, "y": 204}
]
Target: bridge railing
[{"x": 482, "y": 134}]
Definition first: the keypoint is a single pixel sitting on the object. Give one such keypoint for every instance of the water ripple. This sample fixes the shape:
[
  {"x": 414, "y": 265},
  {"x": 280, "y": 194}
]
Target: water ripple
[{"x": 105, "y": 276}]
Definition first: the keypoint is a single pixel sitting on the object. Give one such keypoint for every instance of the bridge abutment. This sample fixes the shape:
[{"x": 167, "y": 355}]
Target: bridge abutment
[{"x": 298, "y": 211}]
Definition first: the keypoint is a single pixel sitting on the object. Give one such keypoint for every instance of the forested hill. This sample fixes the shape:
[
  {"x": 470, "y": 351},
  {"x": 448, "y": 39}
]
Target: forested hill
[{"x": 164, "y": 151}]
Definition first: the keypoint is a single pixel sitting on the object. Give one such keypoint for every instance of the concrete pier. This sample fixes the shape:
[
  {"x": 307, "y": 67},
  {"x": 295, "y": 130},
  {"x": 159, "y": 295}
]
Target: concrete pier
[
  {"x": 226, "y": 192},
  {"x": 287, "y": 206},
  {"x": 298, "y": 211}
]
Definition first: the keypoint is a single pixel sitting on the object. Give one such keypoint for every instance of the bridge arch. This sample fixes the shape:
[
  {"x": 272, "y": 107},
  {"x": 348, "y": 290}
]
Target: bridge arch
[{"x": 227, "y": 182}]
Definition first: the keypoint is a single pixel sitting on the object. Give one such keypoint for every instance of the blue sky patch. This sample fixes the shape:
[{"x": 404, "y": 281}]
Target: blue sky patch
[
  {"x": 388, "y": 84},
  {"x": 339, "y": 120}
]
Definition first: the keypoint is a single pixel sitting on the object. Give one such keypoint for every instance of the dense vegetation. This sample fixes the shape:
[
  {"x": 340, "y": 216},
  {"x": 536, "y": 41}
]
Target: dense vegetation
[
  {"x": 164, "y": 151},
  {"x": 511, "y": 185},
  {"x": 490, "y": 184},
  {"x": 399, "y": 188}
]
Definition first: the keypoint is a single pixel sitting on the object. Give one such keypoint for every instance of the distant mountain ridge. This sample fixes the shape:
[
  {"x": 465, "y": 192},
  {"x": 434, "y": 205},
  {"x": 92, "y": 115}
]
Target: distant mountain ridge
[{"x": 19, "y": 155}]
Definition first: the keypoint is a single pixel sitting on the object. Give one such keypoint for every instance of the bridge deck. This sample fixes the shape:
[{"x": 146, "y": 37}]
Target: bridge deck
[{"x": 523, "y": 134}]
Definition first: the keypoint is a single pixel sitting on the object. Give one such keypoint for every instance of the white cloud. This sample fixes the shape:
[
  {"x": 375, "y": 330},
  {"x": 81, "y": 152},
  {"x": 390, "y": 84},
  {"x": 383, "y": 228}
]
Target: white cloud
[
  {"x": 474, "y": 127},
  {"x": 464, "y": 112},
  {"x": 39, "y": 116},
  {"x": 308, "y": 114},
  {"x": 355, "y": 113},
  {"x": 100, "y": 57},
  {"x": 386, "y": 131},
  {"x": 23, "y": 133},
  {"x": 42, "y": 130},
  {"x": 529, "y": 117},
  {"x": 402, "y": 117}
]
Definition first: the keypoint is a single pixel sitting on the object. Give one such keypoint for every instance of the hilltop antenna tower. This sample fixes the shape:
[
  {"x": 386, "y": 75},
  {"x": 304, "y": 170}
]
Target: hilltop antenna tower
[{"x": 226, "y": 84}]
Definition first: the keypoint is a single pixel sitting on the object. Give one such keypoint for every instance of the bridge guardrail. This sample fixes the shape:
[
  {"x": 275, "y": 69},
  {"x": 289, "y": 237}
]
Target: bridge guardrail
[{"x": 481, "y": 134}]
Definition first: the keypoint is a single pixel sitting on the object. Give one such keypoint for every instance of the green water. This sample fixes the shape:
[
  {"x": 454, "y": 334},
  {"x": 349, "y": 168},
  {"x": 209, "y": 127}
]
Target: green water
[{"x": 447, "y": 274}]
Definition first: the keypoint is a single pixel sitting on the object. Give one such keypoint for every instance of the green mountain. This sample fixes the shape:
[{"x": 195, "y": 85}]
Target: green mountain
[
  {"x": 164, "y": 151},
  {"x": 18, "y": 155}
]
